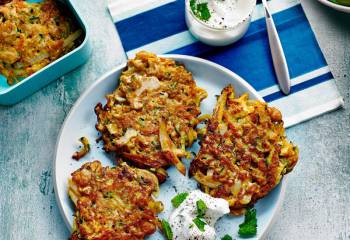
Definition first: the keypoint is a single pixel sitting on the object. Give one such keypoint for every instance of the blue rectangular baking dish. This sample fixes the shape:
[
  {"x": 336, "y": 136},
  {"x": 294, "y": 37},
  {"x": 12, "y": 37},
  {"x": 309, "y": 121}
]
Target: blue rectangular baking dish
[{"x": 13, "y": 94}]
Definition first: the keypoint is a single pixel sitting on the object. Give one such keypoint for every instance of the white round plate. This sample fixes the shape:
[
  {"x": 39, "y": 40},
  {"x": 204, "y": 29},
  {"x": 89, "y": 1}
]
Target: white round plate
[
  {"x": 335, "y": 6},
  {"x": 81, "y": 122}
]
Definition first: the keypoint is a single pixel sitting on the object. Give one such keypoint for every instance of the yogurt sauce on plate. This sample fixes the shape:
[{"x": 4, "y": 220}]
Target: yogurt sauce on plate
[{"x": 181, "y": 220}]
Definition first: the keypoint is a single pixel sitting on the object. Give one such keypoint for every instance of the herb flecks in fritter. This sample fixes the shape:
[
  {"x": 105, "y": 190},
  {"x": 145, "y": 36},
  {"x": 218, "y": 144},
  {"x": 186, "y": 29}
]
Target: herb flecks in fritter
[
  {"x": 244, "y": 152},
  {"x": 113, "y": 203},
  {"x": 151, "y": 117}
]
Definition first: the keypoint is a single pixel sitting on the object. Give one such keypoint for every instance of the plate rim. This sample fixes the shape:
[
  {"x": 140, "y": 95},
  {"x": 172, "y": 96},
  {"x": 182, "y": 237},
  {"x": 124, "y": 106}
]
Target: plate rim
[
  {"x": 87, "y": 91},
  {"x": 335, "y": 6}
]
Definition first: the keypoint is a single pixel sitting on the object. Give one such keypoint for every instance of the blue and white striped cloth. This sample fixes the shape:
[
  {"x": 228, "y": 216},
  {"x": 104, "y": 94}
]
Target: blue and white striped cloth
[{"x": 159, "y": 26}]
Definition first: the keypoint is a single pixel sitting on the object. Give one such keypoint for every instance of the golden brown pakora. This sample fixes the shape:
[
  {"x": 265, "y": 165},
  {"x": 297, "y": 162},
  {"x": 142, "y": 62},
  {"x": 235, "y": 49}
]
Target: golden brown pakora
[
  {"x": 244, "y": 152},
  {"x": 151, "y": 117},
  {"x": 113, "y": 203}
]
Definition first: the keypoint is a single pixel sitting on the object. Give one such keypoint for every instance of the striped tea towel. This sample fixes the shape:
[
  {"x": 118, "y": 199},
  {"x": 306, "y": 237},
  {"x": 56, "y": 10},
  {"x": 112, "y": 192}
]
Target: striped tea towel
[{"x": 159, "y": 26}]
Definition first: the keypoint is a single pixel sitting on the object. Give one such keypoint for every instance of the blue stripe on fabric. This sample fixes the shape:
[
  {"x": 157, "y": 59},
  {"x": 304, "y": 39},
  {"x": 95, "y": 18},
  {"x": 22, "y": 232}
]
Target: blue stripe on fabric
[
  {"x": 160, "y": 23},
  {"x": 250, "y": 57},
  {"x": 152, "y": 25},
  {"x": 257, "y": 29},
  {"x": 300, "y": 87}
]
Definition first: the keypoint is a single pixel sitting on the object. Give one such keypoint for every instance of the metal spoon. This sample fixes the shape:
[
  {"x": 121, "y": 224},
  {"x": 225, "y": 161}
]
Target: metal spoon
[{"x": 278, "y": 57}]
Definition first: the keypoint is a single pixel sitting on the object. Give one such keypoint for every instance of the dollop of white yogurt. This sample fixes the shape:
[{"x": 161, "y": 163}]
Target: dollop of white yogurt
[
  {"x": 181, "y": 220},
  {"x": 227, "y": 13}
]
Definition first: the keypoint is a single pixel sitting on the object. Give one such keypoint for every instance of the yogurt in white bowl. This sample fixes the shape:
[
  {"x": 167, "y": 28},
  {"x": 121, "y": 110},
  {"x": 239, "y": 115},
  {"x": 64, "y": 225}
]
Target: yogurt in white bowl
[{"x": 219, "y": 22}]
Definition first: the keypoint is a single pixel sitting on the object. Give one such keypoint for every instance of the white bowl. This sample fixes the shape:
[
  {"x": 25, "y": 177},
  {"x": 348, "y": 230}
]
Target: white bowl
[
  {"x": 335, "y": 6},
  {"x": 218, "y": 36}
]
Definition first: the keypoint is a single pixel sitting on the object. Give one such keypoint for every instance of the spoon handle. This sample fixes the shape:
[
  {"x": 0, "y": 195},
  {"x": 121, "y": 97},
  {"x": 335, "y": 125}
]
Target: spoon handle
[{"x": 278, "y": 57}]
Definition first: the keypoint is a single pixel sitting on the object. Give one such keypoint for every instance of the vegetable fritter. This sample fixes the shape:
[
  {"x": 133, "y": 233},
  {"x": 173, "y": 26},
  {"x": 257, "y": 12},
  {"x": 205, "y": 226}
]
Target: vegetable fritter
[
  {"x": 113, "y": 203},
  {"x": 32, "y": 35},
  {"x": 151, "y": 117},
  {"x": 244, "y": 152}
]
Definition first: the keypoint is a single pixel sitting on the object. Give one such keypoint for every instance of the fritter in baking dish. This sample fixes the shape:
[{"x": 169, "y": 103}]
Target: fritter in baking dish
[
  {"x": 151, "y": 117},
  {"x": 113, "y": 203},
  {"x": 32, "y": 35},
  {"x": 244, "y": 152}
]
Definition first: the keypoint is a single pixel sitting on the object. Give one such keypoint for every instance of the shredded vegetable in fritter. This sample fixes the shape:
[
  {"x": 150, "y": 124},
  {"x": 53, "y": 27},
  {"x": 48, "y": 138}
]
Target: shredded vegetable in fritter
[
  {"x": 113, "y": 203},
  {"x": 244, "y": 151},
  {"x": 151, "y": 117}
]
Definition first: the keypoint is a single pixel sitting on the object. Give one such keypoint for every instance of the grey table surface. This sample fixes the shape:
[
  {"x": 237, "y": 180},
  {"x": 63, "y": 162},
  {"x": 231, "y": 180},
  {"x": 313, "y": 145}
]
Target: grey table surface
[{"x": 317, "y": 203}]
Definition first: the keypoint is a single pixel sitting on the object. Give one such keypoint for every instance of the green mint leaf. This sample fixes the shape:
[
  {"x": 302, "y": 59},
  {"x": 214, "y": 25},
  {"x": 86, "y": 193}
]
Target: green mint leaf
[
  {"x": 249, "y": 227},
  {"x": 226, "y": 237},
  {"x": 200, "y": 10},
  {"x": 193, "y": 5},
  {"x": 178, "y": 199},
  {"x": 201, "y": 208},
  {"x": 199, "y": 223},
  {"x": 247, "y": 230},
  {"x": 167, "y": 230},
  {"x": 250, "y": 215},
  {"x": 203, "y": 11}
]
